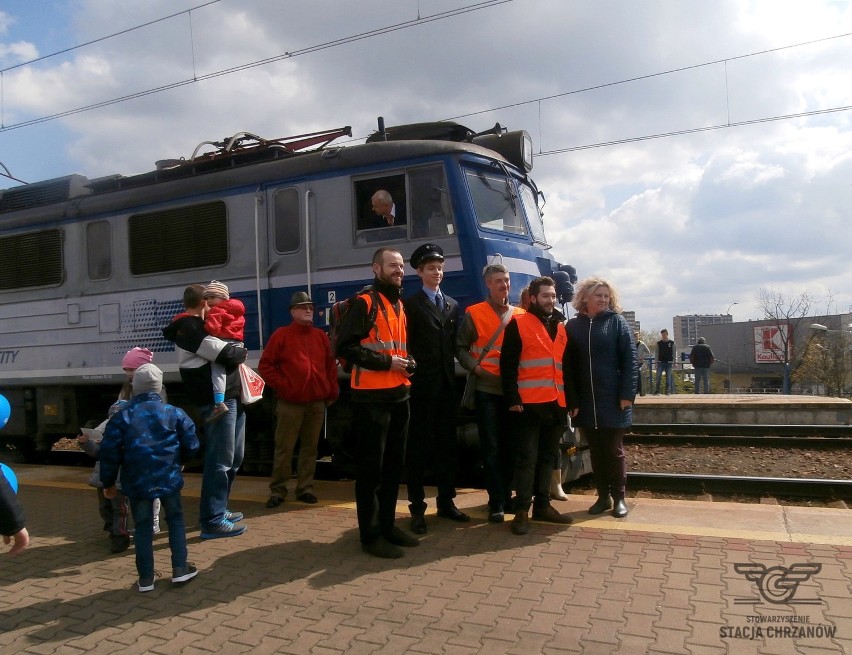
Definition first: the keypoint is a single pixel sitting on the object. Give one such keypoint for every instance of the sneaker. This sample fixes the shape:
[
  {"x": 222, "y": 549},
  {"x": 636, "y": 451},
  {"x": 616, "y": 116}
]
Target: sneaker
[
  {"x": 157, "y": 528},
  {"x": 233, "y": 517},
  {"x": 184, "y": 573},
  {"x": 496, "y": 515},
  {"x": 223, "y": 529},
  {"x": 145, "y": 584},
  {"x": 219, "y": 410}
]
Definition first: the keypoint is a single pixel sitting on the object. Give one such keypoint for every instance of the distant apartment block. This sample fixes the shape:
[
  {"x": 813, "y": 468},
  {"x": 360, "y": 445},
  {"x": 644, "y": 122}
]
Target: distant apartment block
[
  {"x": 630, "y": 317},
  {"x": 687, "y": 329}
]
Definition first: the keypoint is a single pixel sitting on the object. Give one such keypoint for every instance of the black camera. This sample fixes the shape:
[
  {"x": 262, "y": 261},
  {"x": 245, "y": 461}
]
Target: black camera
[{"x": 411, "y": 365}]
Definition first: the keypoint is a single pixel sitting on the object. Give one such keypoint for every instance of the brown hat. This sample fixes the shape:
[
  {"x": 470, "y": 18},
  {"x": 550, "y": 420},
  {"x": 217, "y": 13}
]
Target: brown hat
[{"x": 300, "y": 298}]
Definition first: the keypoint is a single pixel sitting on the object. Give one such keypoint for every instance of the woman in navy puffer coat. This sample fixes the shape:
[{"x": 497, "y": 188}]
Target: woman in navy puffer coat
[{"x": 600, "y": 384}]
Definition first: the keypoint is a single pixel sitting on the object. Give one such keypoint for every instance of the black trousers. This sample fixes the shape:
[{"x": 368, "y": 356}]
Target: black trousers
[
  {"x": 380, "y": 430},
  {"x": 606, "y": 450},
  {"x": 537, "y": 430},
  {"x": 431, "y": 446}
]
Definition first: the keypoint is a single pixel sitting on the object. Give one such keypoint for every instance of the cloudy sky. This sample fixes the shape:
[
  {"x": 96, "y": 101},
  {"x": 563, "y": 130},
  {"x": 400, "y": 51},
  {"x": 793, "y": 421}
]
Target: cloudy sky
[{"x": 683, "y": 224}]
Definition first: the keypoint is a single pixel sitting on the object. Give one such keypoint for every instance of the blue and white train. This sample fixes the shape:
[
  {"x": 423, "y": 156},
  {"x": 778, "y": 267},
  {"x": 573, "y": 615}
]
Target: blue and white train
[{"x": 92, "y": 267}]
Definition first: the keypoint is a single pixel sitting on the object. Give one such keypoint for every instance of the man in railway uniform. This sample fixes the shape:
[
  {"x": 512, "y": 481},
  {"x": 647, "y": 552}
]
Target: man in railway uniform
[
  {"x": 531, "y": 372},
  {"x": 431, "y": 320},
  {"x": 297, "y": 363},
  {"x": 380, "y": 390},
  {"x": 478, "y": 345},
  {"x": 224, "y": 443}
]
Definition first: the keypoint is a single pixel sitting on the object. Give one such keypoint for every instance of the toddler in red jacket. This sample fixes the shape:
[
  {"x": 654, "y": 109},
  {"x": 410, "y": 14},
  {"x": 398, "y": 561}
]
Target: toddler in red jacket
[{"x": 226, "y": 320}]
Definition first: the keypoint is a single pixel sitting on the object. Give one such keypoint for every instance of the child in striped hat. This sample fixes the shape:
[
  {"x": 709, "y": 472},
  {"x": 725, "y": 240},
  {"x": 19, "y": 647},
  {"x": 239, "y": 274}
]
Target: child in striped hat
[{"x": 226, "y": 320}]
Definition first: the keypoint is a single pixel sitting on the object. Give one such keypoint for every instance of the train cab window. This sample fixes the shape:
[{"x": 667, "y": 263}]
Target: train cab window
[
  {"x": 287, "y": 221},
  {"x": 533, "y": 214},
  {"x": 99, "y": 250},
  {"x": 381, "y": 212},
  {"x": 31, "y": 260},
  {"x": 495, "y": 201},
  {"x": 431, "y": 209},
  {"x": 193, "y": 236}
]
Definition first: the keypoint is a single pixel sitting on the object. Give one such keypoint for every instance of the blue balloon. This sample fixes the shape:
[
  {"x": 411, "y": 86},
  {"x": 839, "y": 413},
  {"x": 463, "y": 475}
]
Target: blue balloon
[
  {"x": 9, "y": 474},
  {"x": 5, "y": 411}
]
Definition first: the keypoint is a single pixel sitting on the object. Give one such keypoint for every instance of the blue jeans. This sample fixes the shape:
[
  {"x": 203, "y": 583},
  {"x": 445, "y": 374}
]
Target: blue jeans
[
  {"x": 667, "y": 368},
  {"x": 224, "y": 447},
  {"x": 496, "y": 447},
  {"x": 143, "y": 518},
  {"x": 702, "y": 375}
]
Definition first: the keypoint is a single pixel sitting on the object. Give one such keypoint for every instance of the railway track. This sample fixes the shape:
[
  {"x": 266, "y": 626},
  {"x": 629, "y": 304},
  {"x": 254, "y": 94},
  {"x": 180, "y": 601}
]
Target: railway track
[{"x": 741, "y": 485}]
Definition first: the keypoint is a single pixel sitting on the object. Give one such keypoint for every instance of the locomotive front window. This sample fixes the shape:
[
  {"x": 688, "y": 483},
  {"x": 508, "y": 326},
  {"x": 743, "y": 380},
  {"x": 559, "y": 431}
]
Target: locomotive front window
[
  {"x": 495, "y": 202},
  {"x": 175, "y": 239},
  {"x": 533, "y": 214}
]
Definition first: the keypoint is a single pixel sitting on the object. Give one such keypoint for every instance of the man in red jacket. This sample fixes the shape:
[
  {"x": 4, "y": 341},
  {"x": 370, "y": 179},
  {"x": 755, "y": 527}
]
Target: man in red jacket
[{"x": 298, "y": 365}]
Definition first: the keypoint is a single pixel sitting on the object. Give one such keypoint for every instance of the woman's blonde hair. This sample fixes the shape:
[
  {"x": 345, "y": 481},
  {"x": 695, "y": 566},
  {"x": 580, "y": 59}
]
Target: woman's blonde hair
[{"x": 585, "y": 288}]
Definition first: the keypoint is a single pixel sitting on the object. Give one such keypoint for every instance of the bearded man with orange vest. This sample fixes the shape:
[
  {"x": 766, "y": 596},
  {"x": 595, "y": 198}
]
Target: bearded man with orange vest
[
  {"x": 381, "y": 368},
  {"x": 531, "y": 370},
  {"x": 478, "y": 344}
]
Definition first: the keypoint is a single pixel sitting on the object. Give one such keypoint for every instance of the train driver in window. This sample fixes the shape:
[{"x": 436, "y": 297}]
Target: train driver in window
[{"x": 385, "y": 212}]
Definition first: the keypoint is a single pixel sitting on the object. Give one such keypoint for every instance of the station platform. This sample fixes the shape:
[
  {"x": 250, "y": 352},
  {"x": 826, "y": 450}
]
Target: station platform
[
  {"x": 735, "y": 408},
  {"x": 671, "y": 577}
]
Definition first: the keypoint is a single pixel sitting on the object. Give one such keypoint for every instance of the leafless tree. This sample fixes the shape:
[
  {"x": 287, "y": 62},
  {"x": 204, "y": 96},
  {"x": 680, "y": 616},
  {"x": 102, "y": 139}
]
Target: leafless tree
[{"x": 785, "y": 313}]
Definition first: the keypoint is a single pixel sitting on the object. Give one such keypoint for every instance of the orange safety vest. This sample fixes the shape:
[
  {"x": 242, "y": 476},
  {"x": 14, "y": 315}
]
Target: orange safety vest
[
  {"x": 540, "y": 366},
  {"x": 486, "y": 321},
  {"x": 388, "y": 335}
]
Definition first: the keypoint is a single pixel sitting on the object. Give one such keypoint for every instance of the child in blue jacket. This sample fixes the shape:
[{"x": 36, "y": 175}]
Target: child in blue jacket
[{"x": 149, "y": 440}]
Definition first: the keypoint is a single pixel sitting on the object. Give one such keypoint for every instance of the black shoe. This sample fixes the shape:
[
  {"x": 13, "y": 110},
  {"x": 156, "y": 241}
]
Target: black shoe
[
  {"x": 307, "y": 497},
  {"x": 398, "y": 538},
  {"x": 418, "y": 523},
  {"x": 496, "y": 516},
  {"x": 381, "y": 548},
  {"x": 549, "y": 514},
  {"x": 620, "y": 509},
  {"x": 521, "y": 523},
  {"x": 273, "y": 502},
  {"x": 602, "y": 504},
  {"x": 453, "y": 513},
  {"x": 118, "y": 544}
]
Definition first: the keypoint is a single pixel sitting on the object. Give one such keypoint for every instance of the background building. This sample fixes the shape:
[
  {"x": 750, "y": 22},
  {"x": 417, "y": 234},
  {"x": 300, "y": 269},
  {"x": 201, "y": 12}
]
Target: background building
[{"x": 687, "y": 329}]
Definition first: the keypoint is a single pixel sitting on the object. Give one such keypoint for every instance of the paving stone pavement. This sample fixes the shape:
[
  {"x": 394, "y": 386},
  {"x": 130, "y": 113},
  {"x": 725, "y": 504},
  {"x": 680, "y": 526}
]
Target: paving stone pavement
[{"x": 297, "y": 582}]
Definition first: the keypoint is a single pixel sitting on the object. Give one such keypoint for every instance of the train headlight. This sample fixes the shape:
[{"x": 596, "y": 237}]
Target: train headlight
[{"x": 515, "y": 146}]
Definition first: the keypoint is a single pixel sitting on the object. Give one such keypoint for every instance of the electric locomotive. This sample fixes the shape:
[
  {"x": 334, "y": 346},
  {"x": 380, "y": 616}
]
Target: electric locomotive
[{"x": 92, "y": 267}]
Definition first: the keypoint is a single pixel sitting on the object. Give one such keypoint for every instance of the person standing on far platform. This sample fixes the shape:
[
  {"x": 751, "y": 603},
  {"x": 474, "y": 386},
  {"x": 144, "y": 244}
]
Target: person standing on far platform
[
  {"x": 666, "y": 349},
  {"x": 643, "y": 353},
  {"x": 381, "y": 368},
  {"x": 297, "y": 363},
  {"x": 432, "y": 321},
  {"x": 701, "y": 359},
  {"x": 600, "y": 386}
]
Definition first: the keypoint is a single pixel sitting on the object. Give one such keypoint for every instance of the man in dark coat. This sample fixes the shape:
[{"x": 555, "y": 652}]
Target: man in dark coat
[
  {"x": 701, "y": 359},
  {"x": 432, "y": 321}
]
